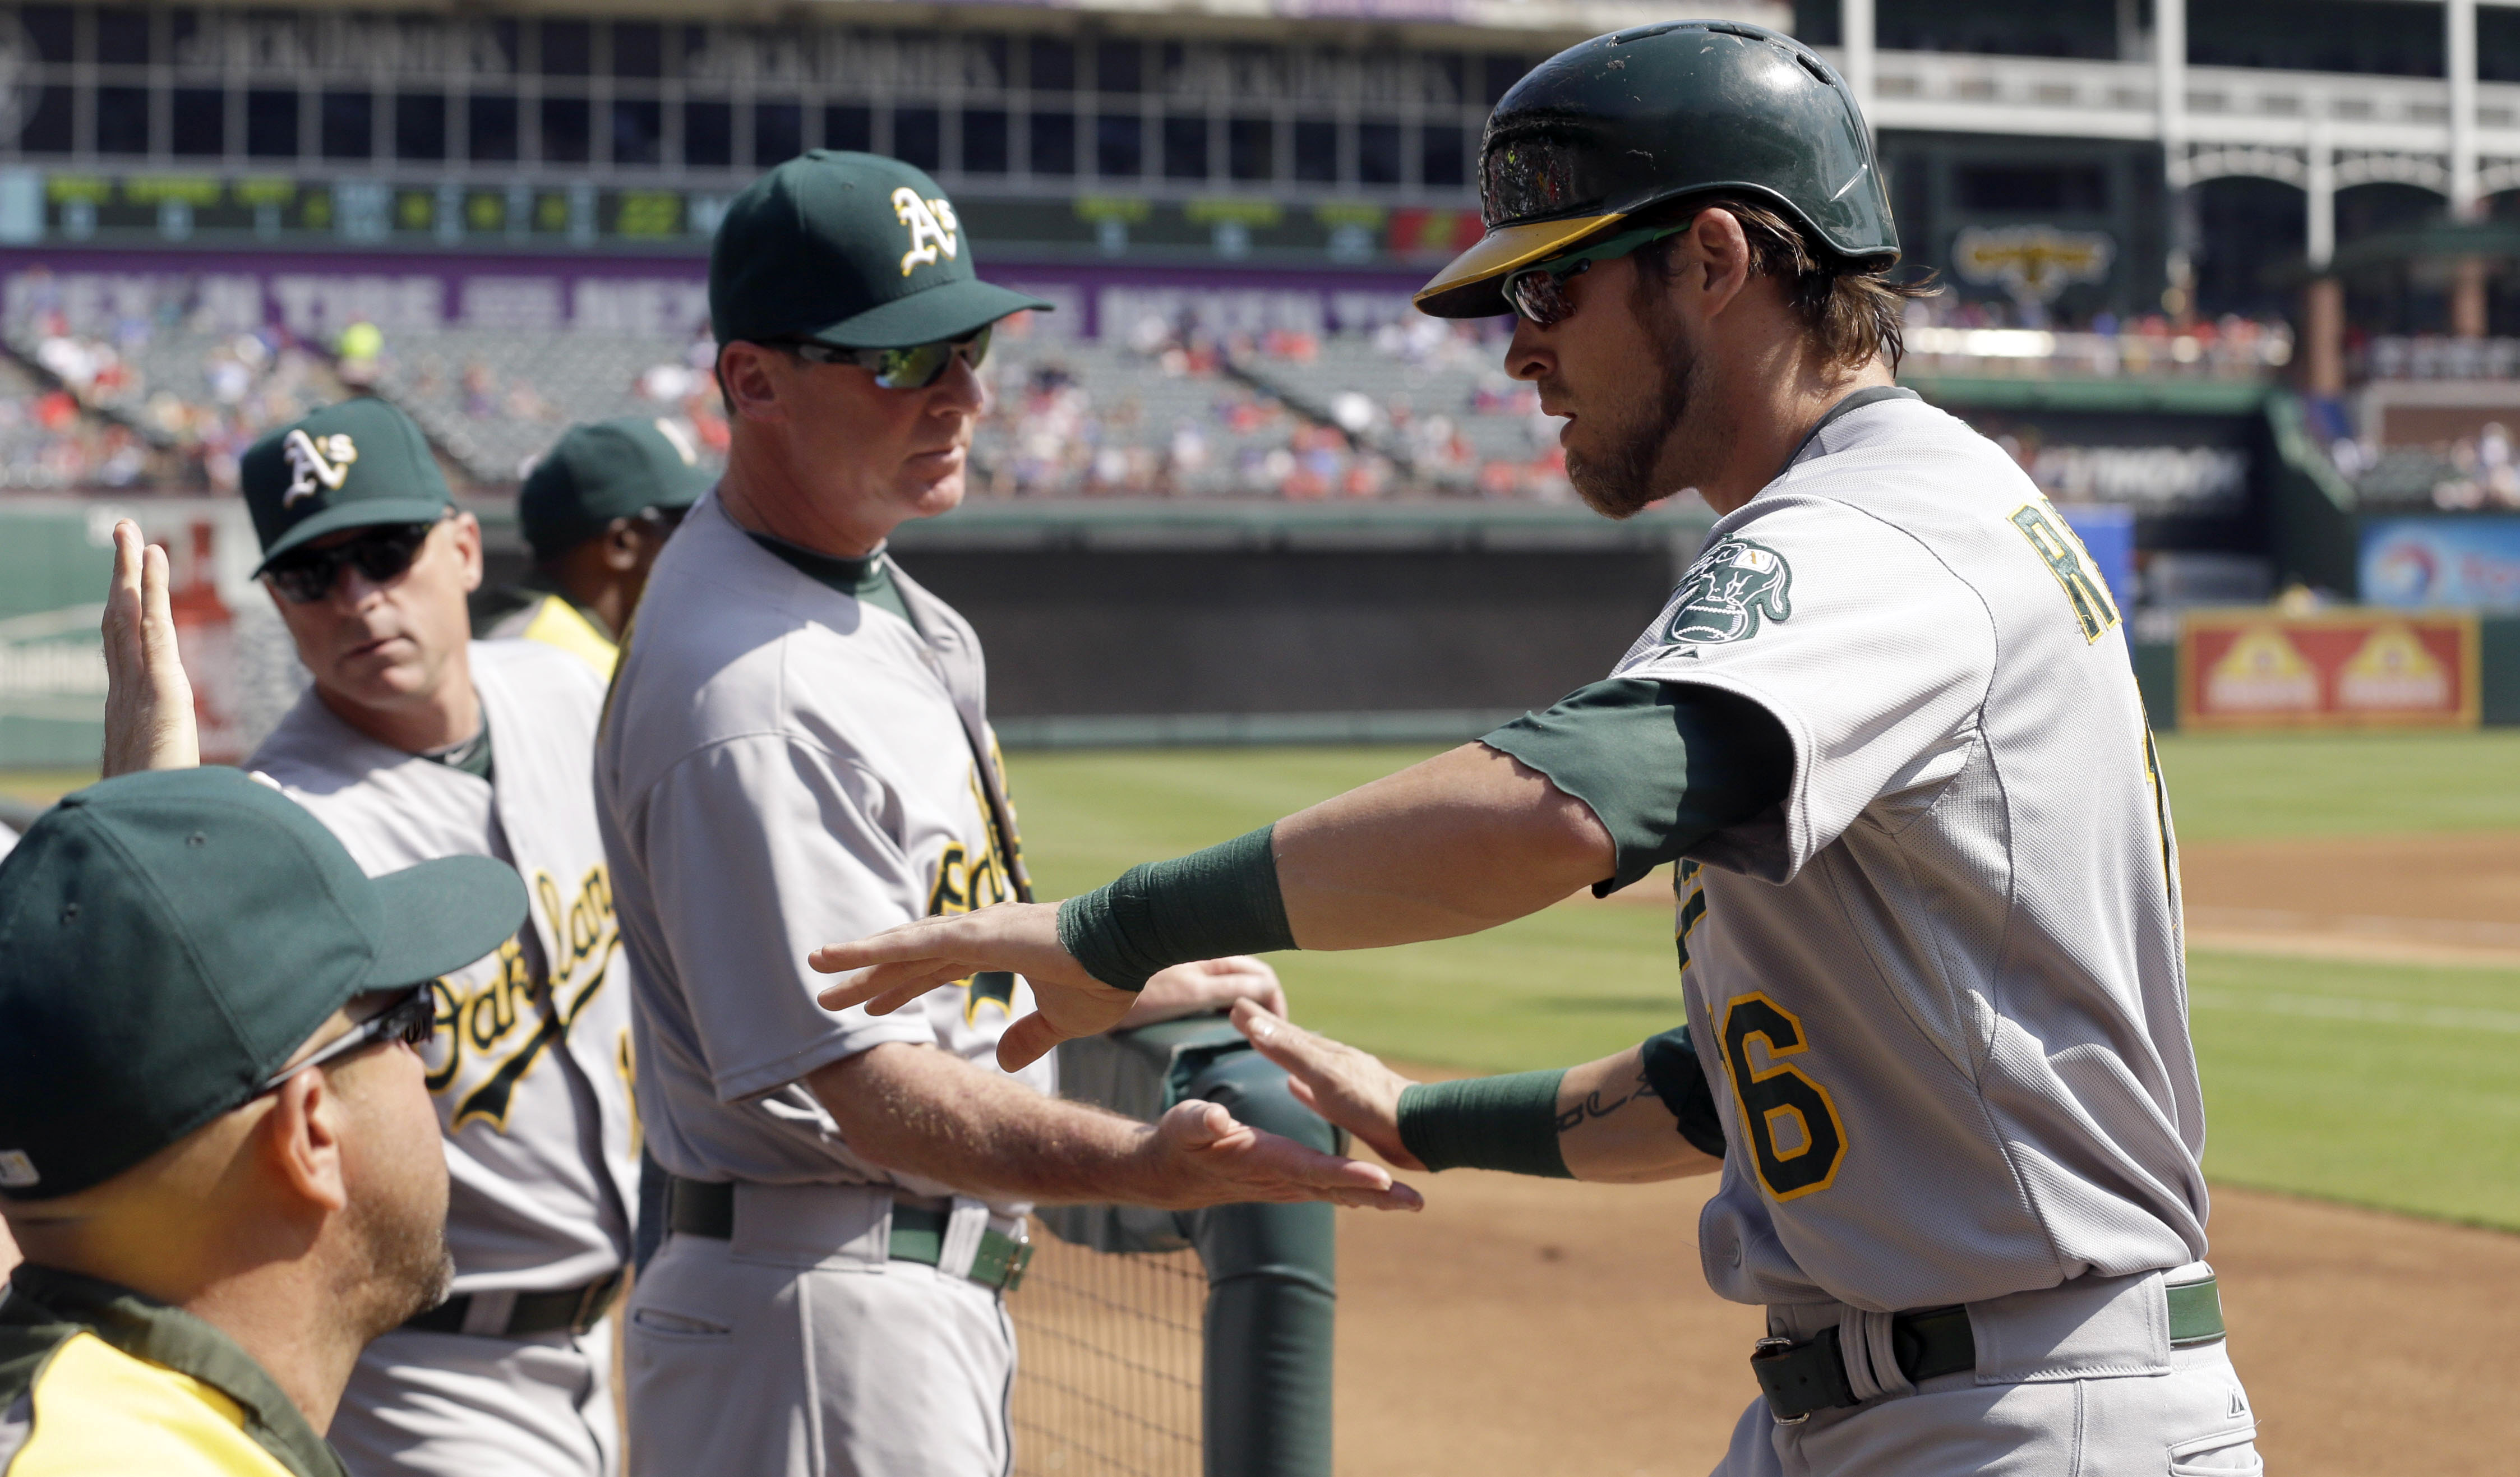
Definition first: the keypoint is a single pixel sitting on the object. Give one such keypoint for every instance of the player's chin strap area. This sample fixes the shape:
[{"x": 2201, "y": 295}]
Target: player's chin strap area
[{"x": 1865, "y": 1355}]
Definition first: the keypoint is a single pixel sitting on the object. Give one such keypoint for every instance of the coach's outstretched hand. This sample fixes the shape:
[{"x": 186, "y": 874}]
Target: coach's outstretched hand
[
  {"x": 1345, "y": 1086},
  {"x": 900, "y": 965},
  {"x": 1200, "y": 1154},
  {"x": 148, "y": 699}
]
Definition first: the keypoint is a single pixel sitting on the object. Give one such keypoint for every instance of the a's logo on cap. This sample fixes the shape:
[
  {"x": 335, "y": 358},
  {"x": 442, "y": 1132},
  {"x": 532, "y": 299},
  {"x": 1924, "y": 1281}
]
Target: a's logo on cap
[
  {"x": 17, "y": 1171},
  {"x": 931, "y": 226},
  {"x": 314, "y": 464}
]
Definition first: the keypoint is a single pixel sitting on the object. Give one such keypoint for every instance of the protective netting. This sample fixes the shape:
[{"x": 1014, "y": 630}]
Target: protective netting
[{"x": 1109, "y": 1351}]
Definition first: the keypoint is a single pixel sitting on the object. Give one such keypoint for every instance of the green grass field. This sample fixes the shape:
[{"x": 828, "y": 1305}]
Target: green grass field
[{"x": 2390, "y": 1086}]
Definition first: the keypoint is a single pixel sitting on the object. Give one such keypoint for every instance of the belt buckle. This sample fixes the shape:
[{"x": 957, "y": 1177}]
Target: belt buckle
[
  {"x": 1020, "y": 1259},
  {"x": 1765, "y": 1346}
]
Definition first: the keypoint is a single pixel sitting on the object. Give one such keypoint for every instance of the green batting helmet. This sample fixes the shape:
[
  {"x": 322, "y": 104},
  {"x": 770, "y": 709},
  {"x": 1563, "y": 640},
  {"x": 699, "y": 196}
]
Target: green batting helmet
[{"x": 1623, "y": 122}]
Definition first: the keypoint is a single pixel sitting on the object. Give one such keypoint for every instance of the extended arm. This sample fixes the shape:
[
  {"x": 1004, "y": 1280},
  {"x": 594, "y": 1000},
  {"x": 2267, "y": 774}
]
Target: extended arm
[
  {"x": 1618, "y": 778},
  {"x": 921, "y": 1111},
  {"x": 1611, "y": 1120}
]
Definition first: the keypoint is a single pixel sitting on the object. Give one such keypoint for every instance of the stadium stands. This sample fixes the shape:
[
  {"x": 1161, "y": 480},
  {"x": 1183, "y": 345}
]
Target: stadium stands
[{"x": 492, "y": 400}]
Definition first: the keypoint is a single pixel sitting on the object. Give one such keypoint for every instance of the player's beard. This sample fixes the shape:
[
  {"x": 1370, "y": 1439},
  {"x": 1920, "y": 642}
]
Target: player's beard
[
  {"x": 402, "y": 1266},
  {"x": 1637, "y": 469}
]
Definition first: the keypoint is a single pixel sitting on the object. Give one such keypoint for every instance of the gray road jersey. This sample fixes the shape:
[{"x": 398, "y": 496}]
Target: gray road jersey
[
  {"x": 1940, "y": 991},
  {"x": 530, "y": 1068},
  {"x": 783, "y": 766}
]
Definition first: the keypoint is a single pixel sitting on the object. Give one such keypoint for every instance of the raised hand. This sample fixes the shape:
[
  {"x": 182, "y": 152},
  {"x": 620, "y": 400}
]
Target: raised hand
[
  {"x": 902, "y": 964},
  {"x": 148, "y": 699},
  {"x": 1345, "y": 1086},
  {"x": 1199, "y": 1154}
]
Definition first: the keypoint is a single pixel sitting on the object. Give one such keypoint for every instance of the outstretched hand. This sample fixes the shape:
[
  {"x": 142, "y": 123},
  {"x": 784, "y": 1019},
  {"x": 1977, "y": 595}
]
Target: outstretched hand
[
  {"x": 902, "y": 964},
  {"x": 1200, "y": 1154},
  {"x": 1345, "y": 1086},
  {"x": 148, "y": 699}
]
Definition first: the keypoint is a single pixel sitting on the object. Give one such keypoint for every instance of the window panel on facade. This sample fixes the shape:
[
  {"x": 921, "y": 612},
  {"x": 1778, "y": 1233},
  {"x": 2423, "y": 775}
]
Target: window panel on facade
[
  {"x": 201, "y": 119},
  {"x": 1317, "y": 160},
  {"x": 637, "y": 49},
  {"x": 48, "y": 123},
  {"x": 568, "y": 48},
  {"x": 122, "y": 120},
  {"x": 708, "y": 135},
  {"x": 1052, "y": 63},
  {"x": 349, "y": 125},
  {"x": 122, "y": 37},
  {"x": 1119, "y": 145},
  {"x": 271, "y": 124},
  {"x": 490, "y": 128},
  {"x": 420, "y": 126},
  {"x": 984, "y": 141},
  {"x": 777, "y": 132},
  {"x": 638, "y": 131},
  {"x": 568, "y": 134},
  {"x": 1251, "y": 149},
  {"x": 1185, "y": 149},
  {"x": 1115, "y": 66},
  {"x": 919, "y": 137},
  {"x": 1378, "y": 154},
  {"x": 1440, "y": 156},
  {"x": 1501, "y": 74},
  {"x": 848, "y": 125},
  {"x": 53, "y": 30},
  {"x": 1054, "y": 143}
]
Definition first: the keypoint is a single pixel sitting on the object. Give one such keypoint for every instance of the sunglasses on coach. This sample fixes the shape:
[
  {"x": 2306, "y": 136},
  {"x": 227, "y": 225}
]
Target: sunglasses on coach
[
  {"x": 1539, "y": 292},
  {"x": 411, "y": 1019},
  {"x": 915, "y": 368},
  {"x": 382, "y": 553}
]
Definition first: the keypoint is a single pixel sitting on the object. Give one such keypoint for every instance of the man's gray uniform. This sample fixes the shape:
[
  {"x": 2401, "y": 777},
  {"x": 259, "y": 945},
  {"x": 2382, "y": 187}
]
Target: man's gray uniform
[
  {"x": 1941, "y": 994},
  {"x": 531, "y": 1069},
  {"x": 783, "y": 764}
]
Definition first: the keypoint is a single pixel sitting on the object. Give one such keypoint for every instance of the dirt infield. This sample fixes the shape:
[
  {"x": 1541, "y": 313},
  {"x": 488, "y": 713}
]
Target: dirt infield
[{"x": 1536, "y": 1328}]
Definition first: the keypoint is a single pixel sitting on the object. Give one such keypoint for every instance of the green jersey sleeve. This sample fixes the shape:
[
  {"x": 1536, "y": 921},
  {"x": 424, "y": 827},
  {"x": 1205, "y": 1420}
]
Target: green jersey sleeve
[{"x": 1663, "y": 764}]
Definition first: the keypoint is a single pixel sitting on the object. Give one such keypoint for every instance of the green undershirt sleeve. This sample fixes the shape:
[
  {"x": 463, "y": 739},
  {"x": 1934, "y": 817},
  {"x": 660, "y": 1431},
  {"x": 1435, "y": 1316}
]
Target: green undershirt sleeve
[
  {"x": 1224, "y": 900},
  {"x": 1679, "y": 1079},
  {"x": 1663, "y": 764}
]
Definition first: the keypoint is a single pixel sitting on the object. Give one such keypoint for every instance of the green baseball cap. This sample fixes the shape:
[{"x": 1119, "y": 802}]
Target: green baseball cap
[
  {"x": 169, "y": 939},
  {"x": 347, "y": 466},
  {"x": 852, "y": 249},
  {"x": 602, "y": 471}
]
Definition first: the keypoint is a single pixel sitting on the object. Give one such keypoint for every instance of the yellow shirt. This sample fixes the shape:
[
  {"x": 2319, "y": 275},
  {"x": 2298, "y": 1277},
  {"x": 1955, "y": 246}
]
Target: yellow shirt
[{"x": 100, "y": 1382}]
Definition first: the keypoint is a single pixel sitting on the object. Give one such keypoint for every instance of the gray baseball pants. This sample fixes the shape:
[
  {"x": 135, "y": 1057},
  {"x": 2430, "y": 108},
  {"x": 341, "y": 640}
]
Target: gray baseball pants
[
  {"x": 798, "y": 1349},
  {"x": 463, "y": 1405},
  {"x": 2071, "y": 1381}
]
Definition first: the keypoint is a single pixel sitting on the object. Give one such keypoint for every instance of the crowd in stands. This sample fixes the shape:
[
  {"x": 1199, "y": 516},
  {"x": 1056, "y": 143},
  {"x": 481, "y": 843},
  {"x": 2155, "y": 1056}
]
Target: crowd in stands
[{"x": 1159, "y": 407}]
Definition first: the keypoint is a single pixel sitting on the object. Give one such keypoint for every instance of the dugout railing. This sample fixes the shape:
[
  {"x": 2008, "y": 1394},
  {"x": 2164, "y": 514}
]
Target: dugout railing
[{"x": 1178, "y": 1344}]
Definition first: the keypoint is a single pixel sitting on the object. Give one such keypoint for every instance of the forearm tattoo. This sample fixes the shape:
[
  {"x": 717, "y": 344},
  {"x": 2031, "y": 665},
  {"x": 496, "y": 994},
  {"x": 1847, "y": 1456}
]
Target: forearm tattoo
[{"x": 1594, "y": 1107}]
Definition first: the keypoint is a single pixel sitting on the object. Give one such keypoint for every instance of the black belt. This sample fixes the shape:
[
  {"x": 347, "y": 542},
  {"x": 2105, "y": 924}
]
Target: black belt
[
  {"x": 573, "y": 1309},
  {"x": 1801, "y": 1378},
  {"x": 706, "y": 1208}
]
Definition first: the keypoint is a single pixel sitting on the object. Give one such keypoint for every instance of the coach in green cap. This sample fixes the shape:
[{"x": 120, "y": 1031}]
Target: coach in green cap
[
  {"x": 596, "y": 510},
  {"x": 216, "y": 1146},
  {"x": 797, "y": 736}
]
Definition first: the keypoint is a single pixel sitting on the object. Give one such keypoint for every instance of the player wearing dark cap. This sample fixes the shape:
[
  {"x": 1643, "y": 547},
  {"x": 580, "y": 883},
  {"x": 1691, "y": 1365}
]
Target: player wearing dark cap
[
  {"x": 1927, "y": 918},
  {"x": 216, "y": 1146},
  {"x": 596, "y": 510}
]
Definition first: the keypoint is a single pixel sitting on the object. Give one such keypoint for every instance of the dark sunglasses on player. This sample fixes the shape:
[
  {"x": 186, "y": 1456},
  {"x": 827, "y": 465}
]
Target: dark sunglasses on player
[
  {"x": 411, "y": 1019},
  {"x": 1539, "y": 292},
  {"x": 303, "y": 576},
  {"x": 915, "y": 368}
]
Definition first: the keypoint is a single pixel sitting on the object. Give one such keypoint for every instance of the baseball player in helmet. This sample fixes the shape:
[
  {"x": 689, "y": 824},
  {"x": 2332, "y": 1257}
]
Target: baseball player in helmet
[{"x": 1929, "y": 922}]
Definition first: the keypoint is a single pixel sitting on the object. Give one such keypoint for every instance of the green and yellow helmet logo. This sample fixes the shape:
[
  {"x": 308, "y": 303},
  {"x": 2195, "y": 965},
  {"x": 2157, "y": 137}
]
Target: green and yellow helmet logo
[{"x": 1734, "y": 585}]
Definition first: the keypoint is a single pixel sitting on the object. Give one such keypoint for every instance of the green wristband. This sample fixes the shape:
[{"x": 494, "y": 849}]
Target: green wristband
[
  {"x": 1209, "y": 904},
  {"x": 1507, "y": 1123}
]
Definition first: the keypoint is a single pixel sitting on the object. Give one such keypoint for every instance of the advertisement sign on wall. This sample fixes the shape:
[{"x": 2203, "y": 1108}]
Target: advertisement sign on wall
[
  {"x": 2345, "y": 669},
  {"x": 2467, "y": 564}
]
